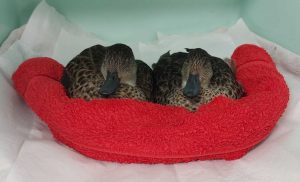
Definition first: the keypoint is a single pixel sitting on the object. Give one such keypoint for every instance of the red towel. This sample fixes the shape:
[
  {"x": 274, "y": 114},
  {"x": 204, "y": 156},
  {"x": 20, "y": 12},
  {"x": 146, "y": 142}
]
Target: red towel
[{"x": 125, "y": 130}]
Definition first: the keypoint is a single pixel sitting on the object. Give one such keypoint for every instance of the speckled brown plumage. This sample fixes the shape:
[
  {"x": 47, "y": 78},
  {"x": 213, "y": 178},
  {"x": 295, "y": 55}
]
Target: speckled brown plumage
[
  {"x": 170, "y": 75},
  {"x": 167, "y": 75},
  {"x": 83, "y": 75},
  {"x": 144, "y": 79}
]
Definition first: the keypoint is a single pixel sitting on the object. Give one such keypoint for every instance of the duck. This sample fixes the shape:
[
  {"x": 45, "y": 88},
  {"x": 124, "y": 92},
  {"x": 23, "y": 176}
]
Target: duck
[
  {"x": 100, "y": 72},
  {"x": 193, "y": 78}
]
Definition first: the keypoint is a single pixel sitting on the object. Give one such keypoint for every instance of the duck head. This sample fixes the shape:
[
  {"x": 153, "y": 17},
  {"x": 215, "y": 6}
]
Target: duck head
[
  {"x": 196, "y": 72},
  {"x": 118, "y": 67}
]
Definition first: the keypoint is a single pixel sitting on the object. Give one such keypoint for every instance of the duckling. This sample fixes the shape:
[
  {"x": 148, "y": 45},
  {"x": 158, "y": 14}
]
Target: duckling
[
  {"x": 194, "y": 78},
  {"x": 107, "y": 72}
]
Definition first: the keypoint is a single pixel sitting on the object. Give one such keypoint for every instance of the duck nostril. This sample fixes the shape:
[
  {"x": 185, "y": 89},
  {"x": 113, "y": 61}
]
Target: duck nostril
[{"x": 113, "y": 76}]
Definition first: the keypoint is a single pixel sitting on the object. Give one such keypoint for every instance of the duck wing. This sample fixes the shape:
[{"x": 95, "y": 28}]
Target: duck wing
[
  {"x": 83, "y": 68},
  {"x": 167, "y": 75},
  {"x": 223, "y": 81},
  {"x": 144, "y": 78}
]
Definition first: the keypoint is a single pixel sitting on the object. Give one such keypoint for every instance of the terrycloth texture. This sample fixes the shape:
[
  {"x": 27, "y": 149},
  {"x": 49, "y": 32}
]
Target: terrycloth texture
[{"x": 133, "y": 131}]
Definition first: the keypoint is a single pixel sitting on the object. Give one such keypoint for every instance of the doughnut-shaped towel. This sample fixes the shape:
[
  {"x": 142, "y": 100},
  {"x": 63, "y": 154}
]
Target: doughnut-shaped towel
[{"x": 131, "y": 131}]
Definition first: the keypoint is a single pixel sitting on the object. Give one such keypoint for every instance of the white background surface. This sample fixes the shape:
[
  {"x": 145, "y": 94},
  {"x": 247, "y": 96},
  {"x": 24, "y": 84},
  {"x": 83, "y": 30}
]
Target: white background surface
[{"x": 28, "y": 153}]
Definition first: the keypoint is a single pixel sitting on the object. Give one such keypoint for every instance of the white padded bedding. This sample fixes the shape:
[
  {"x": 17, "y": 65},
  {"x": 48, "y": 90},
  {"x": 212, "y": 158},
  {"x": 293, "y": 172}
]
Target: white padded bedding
[{"x": 28, "y": 153}]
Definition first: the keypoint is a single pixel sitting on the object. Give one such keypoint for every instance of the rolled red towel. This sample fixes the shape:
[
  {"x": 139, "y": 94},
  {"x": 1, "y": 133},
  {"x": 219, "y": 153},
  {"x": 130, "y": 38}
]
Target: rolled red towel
[{"x": 125, "y": 130}]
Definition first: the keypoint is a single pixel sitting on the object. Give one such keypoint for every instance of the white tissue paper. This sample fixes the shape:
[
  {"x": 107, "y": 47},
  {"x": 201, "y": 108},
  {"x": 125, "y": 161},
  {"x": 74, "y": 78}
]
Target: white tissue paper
[{"x": 28, "y": 152}]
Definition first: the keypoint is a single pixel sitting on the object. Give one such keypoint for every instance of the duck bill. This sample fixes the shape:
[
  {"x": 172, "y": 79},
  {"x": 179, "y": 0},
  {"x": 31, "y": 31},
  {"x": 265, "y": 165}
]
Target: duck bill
[
  {"x": 192, "y": 87},
  {"x": 111, "y": 84}
]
